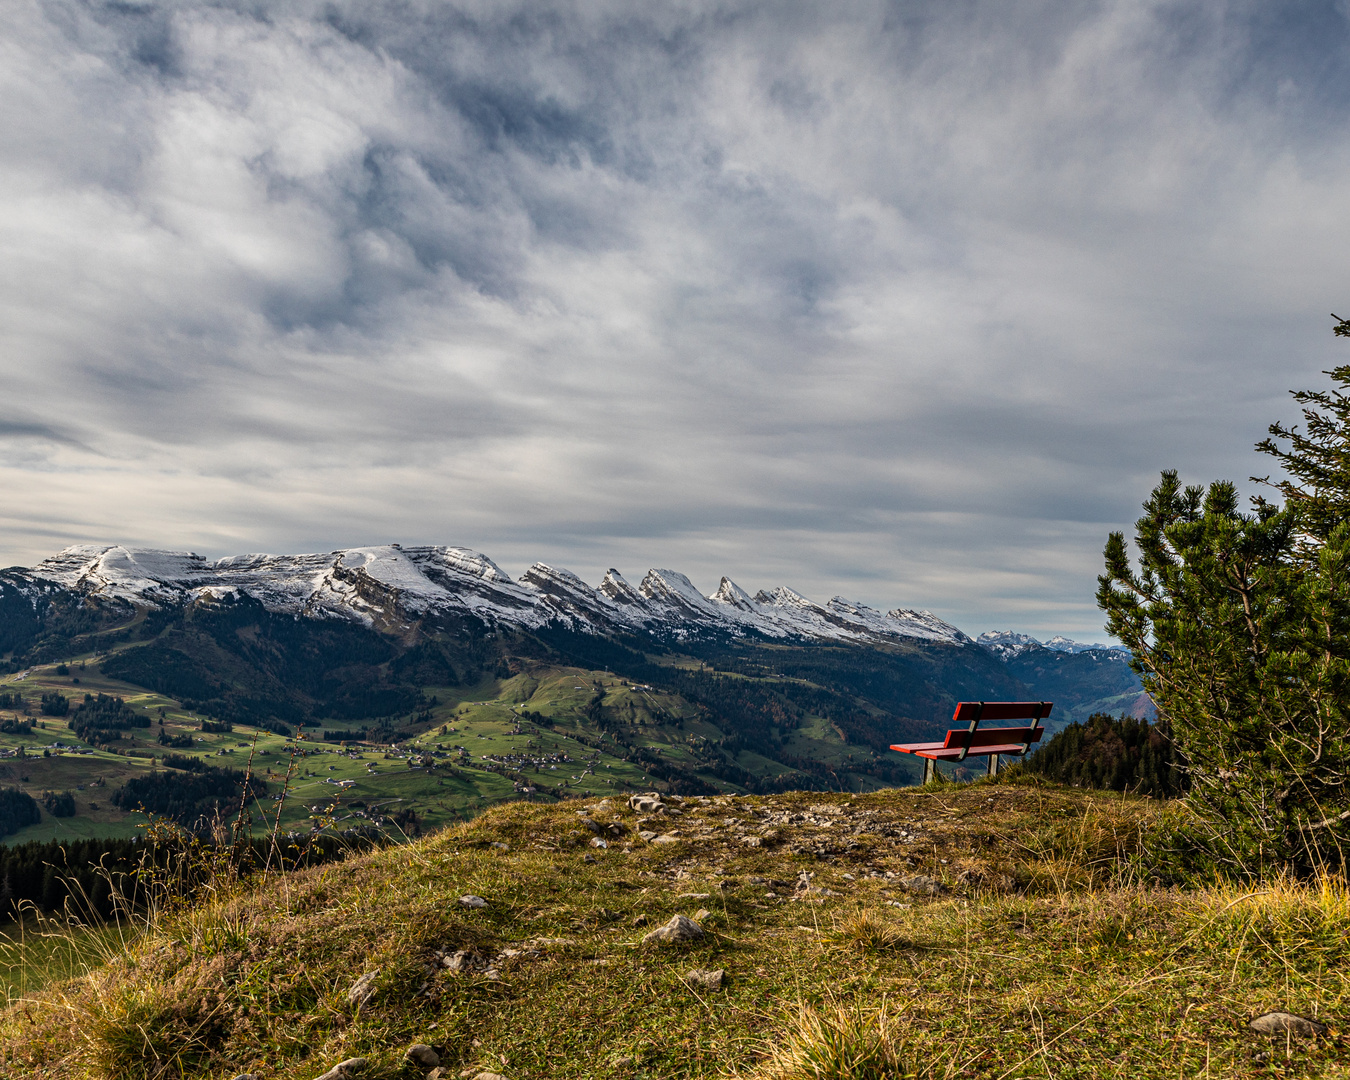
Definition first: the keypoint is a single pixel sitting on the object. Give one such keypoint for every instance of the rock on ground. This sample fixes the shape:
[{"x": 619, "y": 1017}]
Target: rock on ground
[
  {"x": 680, "y": 928},
  {"x": 345, "y": 1069},
  {"x": 422, "y": 1054},
  {"x": 362, "y": 990},
  {"x": 1277, "y": 1023},
  {"x": 704, "y": 980},
  {"x": 921, "y": 884}
]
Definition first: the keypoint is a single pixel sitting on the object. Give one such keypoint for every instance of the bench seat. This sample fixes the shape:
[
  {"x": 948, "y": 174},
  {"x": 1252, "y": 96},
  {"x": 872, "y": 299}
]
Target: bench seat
[{"x": 938, "y": 752}]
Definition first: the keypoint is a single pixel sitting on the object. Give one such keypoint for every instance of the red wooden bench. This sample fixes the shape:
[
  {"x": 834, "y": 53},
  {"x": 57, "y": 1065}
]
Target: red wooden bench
[{"x": 961, "y": 743}]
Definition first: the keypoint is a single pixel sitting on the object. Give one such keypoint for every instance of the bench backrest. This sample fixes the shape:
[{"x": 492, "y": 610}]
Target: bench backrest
[
  {"x": 974, "y": 713},
  {"x": 993, "y": 736}
]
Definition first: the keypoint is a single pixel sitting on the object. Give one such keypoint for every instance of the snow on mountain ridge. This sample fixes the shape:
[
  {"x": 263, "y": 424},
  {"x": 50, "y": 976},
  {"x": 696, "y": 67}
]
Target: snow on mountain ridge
[
  {"x": 1059, "y": 643},
  {"x": 391, "y": 585},
  {"x": 731, "y": 594},
  {"x": 1008, "y": 644}
]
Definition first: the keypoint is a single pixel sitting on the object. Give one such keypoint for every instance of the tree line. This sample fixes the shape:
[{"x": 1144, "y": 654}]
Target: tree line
[{"x": 1112, "y": 753}]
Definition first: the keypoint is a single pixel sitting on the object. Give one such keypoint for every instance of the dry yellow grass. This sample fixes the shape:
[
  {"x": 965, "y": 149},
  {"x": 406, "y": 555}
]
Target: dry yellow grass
[{"x": 1044, "y": 952}]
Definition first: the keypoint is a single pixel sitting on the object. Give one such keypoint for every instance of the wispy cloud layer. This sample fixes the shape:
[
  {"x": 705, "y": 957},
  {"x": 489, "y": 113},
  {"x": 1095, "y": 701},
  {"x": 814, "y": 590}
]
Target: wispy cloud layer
[{"x": 904, "y": 301}]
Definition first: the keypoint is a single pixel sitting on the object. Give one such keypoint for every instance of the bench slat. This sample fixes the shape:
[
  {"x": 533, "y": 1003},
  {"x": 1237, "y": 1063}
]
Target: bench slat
[
  {"x": 979, "y": 742},
  {"x": 989, "y": 736},
  {"x": 939, "y": 753},
  {"x": 1001, "y": 710}
]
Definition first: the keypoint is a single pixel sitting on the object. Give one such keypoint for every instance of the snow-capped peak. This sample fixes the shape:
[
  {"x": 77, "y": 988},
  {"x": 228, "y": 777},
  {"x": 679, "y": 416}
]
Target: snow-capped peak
[
  {"x": 616, "y": 587},
  {"x": 734, "y": 596},
  {"x": 394, "y": 586},
  {"x": 1059, "y": 643},
  {"x": 1009, "y": 643}
]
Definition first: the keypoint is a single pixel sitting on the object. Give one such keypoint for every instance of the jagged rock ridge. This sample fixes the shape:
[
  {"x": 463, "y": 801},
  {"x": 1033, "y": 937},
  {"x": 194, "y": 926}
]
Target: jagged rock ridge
[{"x": 389, "y": 584}]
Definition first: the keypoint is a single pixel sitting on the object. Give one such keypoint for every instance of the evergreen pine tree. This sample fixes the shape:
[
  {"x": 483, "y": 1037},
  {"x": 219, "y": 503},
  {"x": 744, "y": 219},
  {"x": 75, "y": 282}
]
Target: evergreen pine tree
[{"x": 1239, "y": 626}]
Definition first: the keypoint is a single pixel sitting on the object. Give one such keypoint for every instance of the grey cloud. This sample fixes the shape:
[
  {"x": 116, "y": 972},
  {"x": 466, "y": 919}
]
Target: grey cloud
[{"x": 909, "y": 301}]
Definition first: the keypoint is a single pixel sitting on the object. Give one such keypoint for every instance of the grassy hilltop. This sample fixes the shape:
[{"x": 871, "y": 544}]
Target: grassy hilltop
[{"x": 990, "y": 930}]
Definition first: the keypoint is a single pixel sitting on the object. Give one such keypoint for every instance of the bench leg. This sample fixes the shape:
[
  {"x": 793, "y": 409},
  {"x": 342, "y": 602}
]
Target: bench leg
[
  {"x": 929, "y": 770},
  {"x": 993, "y": 764}
]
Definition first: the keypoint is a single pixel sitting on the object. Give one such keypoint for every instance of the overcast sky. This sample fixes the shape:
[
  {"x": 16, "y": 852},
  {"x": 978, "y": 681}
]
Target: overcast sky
[{"x": 907, "y": 302}]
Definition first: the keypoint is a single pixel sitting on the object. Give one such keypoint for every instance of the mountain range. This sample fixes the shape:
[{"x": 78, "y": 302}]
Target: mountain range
[
  {"x": 371, "y": 639},
  {"x": 1009, "y": 644},
  {"x": 381, "y": 586},
  {"x": 393, "y": 586}
]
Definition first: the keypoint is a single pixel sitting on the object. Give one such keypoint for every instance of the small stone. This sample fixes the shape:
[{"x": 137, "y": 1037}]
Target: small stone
[
  {"x": 362, "y": 990},
  {"x": 647, "y": 835},
  {"x": 344, "y": 1069},
  {"x": 641, "y": 920},
  {"x": 753, "y": 841},
  {"x": 922, "y": 884},
  {"x": 423, "y": 1055},
  {"x": 497, "y": 845},
  {"x": 588, "y": 857},
  {"x": 488, "y": 1076},
  {"x": 666, "y": 838},
  {"x": 704, "y": 980},
  {"x": 591, "y": 824},
  {"x": 460, "y": 962},
  {"x": 472, "y": 901},
  {"x": 247, "y": 1076},
  {"x": 596, "y": 842},
  {"x": 701, "y": 914},
  {"x": 680, "y": 928},
  {"x": 1278, "y": 1023},
  {"x": 646, "y": 804}
]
